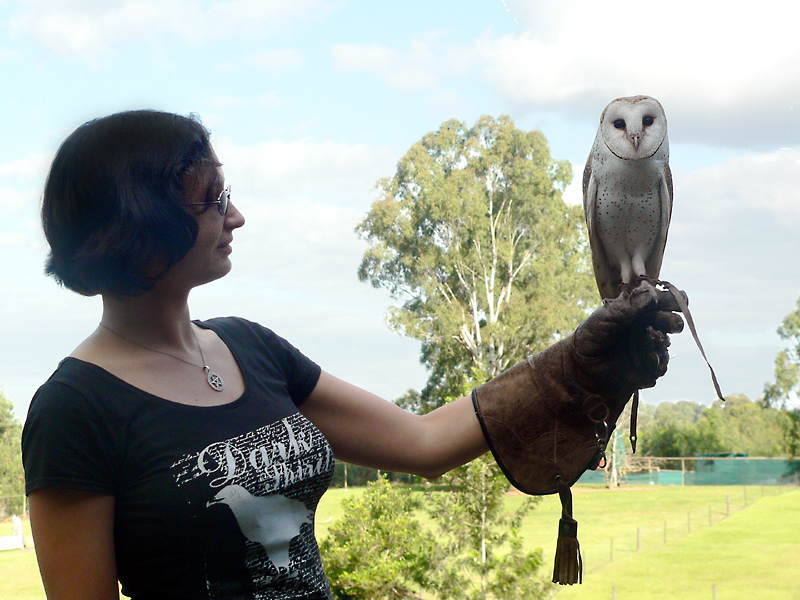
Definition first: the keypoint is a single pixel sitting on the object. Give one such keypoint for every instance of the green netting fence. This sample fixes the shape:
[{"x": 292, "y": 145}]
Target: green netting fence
[{"x": 702, "y": 470}]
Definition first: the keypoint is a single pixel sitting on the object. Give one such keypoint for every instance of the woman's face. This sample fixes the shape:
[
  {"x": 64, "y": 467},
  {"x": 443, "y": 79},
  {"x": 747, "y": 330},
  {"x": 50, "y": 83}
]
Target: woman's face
[{"x": 209, "y": 258}]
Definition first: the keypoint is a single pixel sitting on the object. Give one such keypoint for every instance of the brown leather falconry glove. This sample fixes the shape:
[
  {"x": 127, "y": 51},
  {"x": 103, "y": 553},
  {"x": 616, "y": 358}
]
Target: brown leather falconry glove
[{"x": 548, "y": 419}]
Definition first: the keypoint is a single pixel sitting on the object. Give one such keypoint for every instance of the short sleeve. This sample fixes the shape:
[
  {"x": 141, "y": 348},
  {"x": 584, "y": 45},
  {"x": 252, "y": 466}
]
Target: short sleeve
[
  {"x": 302, "y": 373},
  {"x": 66, "y": 443},
  {"x": 261, "y": 349}
]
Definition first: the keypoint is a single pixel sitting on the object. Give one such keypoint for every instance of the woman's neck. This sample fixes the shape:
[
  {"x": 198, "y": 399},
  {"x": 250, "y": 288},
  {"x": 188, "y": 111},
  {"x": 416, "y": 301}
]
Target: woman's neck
[{"x": 151, "y": 319}]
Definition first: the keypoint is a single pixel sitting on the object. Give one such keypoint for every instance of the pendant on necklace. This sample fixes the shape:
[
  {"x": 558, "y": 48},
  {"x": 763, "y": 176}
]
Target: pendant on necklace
[{"x": 214, "y": 380}]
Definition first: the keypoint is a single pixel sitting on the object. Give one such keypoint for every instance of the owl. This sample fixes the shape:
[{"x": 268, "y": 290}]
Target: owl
[{"x": 627, "y": 193}]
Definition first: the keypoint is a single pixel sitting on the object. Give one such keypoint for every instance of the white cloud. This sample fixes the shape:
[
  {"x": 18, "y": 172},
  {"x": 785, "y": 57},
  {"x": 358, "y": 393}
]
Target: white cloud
[
  {"x": 767, "y": 181},
  {"x": 26, "y": 171},
  {"x": 7, "y": 55},
  {"x": 422, "y": 65},
  {"x": 267, "y": 100},
  {"x": 91, "y": 29},
  {"x": 275, "y": 61},
  {"x": 12, "y": 240},
  {"x": 237, "y": 17},
  {"x": 336, "y": 171},
  {"x": 733, "y": 246},
  {"x": 737, "y": 224},
  {"x": 722, "y": 74},
  {"x": 302, "y": 200},
  {"x": 376, "y": 58},
  {"x": 412, "y": 78}
]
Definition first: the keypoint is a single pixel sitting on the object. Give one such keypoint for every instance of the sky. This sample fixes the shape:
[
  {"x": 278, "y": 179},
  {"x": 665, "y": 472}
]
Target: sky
[{"x": 311, "y": 102}]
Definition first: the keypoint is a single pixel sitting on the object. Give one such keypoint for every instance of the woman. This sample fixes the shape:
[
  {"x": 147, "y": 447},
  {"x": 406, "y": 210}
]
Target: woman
[{"x": 184, "y": 458}]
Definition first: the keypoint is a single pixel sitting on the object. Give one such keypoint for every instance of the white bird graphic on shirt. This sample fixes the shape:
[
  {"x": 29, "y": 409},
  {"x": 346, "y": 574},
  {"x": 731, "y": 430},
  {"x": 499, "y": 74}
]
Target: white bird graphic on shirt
[{"x": 272, "y": 521}]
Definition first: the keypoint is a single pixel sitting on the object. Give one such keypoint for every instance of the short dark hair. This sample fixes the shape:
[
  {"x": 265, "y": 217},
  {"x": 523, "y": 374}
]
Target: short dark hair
[{"x": 112, "y": 209}]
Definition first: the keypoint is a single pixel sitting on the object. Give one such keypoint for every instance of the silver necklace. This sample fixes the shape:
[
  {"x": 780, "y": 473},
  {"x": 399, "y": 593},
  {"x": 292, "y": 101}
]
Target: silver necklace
[{"x": 214, "y": 380}]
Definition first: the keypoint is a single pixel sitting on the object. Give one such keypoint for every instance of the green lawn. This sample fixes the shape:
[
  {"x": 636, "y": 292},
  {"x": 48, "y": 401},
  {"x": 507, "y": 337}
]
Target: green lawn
[
  {"x": 753, "y": 553},
  {"x": 19, "y": 573}
]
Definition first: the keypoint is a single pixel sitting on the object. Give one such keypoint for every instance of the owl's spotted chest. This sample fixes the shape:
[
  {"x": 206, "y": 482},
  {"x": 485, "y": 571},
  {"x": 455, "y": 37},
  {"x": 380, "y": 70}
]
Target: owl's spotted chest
[{"x": 628, "y": 211}]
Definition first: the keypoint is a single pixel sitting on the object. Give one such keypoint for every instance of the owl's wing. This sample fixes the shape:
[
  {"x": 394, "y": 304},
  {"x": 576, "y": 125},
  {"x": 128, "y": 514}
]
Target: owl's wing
[
  {"x": 653, "y": 265},
  {"x": 588, "y": 205},
  {"x": 605, "y": 283}
]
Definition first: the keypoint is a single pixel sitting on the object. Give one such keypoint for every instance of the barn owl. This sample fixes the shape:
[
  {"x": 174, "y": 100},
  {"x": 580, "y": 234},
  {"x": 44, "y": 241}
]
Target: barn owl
[{"x": 627, "y": 193}]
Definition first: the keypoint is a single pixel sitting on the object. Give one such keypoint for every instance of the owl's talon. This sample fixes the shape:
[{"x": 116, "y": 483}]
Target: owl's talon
[{"x": 647, "y": 284}]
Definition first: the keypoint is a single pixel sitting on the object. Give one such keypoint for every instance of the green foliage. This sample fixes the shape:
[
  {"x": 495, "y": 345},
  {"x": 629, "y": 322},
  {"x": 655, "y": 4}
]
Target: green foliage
[
  {"x": 787, "y": 363},
  {"x": 483, "y": 555},
  {"x": 379, "y": 549},
  {"x": 737, "y": 425},
  {"x": 472, "y": 236},
  {"x": 787, "y": 380},
  {"x": 12, "y": 480},
  {"x": 414, "y": 402}
]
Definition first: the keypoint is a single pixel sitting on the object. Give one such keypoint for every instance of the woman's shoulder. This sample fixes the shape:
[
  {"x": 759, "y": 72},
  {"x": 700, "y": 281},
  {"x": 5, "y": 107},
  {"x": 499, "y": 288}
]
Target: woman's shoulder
[
  {"x": 240, "y": 330},
  {"x": 256, "y": 344},
  {"x": 76, "y": 374},
  {"x": 74, "y": 382}
]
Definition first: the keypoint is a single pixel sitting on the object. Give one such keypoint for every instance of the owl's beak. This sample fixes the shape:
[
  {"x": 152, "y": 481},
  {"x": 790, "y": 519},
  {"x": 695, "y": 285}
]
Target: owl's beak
[{"x": 635, "y": 139}]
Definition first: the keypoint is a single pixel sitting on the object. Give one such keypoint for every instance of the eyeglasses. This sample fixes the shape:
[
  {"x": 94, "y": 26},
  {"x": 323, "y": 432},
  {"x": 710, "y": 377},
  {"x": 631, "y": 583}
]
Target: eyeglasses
[{"x": 221, "y": 201}]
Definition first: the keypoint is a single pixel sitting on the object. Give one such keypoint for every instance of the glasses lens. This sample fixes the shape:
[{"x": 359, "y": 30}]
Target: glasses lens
[{"x": 222, "y": 205}]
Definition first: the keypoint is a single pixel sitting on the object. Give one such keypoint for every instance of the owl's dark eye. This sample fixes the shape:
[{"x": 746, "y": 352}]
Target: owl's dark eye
[
  {"x": 619, "y": 123},
  {"x": 647, "y": 121}
]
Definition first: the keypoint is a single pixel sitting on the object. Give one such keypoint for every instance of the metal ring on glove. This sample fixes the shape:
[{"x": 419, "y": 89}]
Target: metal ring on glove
[{"x": 600, "y": 403}]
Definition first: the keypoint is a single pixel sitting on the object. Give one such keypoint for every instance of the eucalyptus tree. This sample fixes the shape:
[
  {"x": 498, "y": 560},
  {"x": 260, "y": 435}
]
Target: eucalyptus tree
[{"x": 473, "y": 239}]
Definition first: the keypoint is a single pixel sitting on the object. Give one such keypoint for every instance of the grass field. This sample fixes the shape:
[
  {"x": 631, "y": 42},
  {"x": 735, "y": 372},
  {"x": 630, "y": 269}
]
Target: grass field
[
  {"x": 753, "y": 554},
  {"x": 751, "y": 550}
]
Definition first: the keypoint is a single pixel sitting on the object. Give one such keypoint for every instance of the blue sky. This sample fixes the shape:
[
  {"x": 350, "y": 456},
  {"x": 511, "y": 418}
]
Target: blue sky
[{"x": 311, "y": 102}]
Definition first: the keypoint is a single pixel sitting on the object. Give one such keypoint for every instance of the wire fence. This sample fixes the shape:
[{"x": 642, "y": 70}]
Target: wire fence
[
  {"x": 599, "y": 555},
  {"x": 713, "y": 592}
]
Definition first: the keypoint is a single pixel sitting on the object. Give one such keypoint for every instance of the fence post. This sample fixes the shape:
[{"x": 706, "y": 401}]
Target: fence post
[{"x": 714, "y": 590}]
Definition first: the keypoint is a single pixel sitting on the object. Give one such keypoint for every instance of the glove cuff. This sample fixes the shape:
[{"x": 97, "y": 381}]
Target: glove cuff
[{"x": 543, "y": 427}]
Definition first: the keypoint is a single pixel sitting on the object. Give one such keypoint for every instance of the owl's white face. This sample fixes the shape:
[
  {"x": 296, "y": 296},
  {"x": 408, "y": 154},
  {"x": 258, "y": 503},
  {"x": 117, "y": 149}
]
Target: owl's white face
[{"x": 634, "y": 128}]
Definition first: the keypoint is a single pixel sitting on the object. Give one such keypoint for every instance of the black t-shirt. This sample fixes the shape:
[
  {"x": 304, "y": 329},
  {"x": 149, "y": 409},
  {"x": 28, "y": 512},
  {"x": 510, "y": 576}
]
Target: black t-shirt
[{"x": 210, "y": 502}]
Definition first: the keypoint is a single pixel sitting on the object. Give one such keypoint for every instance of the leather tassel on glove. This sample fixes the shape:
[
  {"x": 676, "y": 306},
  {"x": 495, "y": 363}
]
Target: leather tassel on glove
[{"x": 568, "y": 568}]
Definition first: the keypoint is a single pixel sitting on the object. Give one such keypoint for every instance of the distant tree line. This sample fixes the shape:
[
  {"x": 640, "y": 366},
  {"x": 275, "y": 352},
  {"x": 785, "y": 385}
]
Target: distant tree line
[
  {"x": 784, "y": 392},
  {"x": 12, "y": 484},
  {"x": 737, "y": 425}
]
